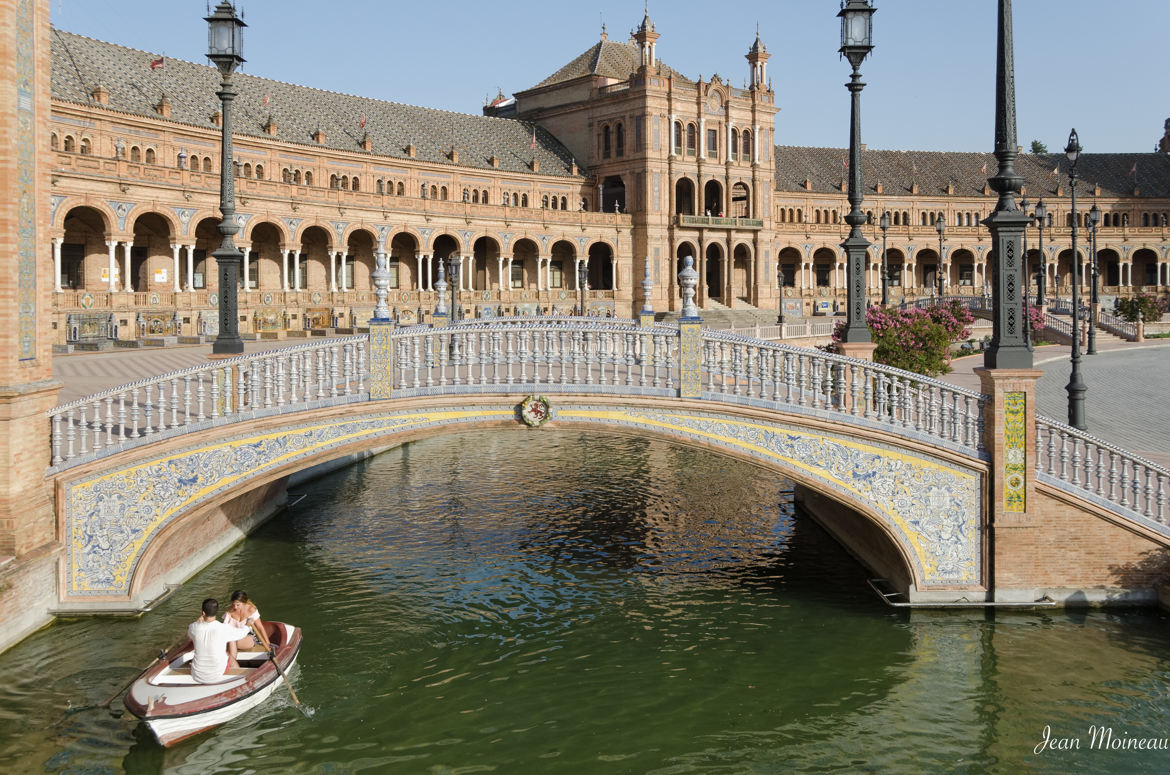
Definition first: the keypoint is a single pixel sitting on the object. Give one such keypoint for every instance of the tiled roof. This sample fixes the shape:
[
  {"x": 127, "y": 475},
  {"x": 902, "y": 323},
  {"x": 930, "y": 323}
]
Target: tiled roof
[
  {"x": 933, "y": 170},
  {"x": 608, "y": 59},
  {"x": 81, "y": 63}
]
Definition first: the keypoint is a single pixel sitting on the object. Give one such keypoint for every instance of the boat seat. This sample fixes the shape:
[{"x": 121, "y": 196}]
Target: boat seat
[{"x": 181, "y": 676}]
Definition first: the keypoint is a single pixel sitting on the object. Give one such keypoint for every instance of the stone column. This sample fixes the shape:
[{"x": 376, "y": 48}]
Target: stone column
[
  {"x": 418, "y": 261},
  {"x": 500, "y": 271},
  {"x": 175, "y": 264},
  {"x": 508, "y": 274},
  {"x": 190, "y": 268},
  {"x": 127, "y": 284},
  {"x": 296, "y": 270},
  {"x": 245, "y": 283},
  {"x": 333, "y": 270},
  {"x": 341, "y": 268},
  {"x": 57, "y": 264},
  {"x": 112, "y": 266},
  {"x": 284, "y": 256}
]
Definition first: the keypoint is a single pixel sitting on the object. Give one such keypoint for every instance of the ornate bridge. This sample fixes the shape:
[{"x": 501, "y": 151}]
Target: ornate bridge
[{"x": 155, "y": 478}]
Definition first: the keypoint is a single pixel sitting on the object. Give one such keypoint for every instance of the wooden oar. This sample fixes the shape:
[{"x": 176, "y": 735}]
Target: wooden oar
[
  {"x": 280, "y": 672},
  {"x": 161, "y": 656}
]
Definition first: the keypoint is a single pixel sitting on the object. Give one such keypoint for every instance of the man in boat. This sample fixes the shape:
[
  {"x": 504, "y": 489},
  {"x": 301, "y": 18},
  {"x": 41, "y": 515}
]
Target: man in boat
[{"x": 215, "y": 647}]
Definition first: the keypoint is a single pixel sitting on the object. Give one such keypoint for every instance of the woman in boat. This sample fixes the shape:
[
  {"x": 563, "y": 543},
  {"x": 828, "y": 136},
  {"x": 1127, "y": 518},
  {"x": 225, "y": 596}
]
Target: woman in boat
[{"x": 242, "y": 613}]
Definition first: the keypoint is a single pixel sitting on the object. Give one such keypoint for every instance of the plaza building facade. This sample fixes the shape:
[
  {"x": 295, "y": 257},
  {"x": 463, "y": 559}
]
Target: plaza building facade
[{"x": 615, "y": 164}]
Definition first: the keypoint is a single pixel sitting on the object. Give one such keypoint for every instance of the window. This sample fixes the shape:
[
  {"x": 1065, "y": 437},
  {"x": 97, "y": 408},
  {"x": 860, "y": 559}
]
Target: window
[
  {"x": 434, "y": 192},
  {"x": 401, "y": 189},
  {"x": 895, "y": 277},
  {"x": 967, "y": 275},
  {"x": 712, "y": 143},
  {"x": 86, "y": 147},
  {"x": 789, "y": 275},
  {"x": 353, "y": 184},
  {"x": 207, "y": 164},
  {"x": 285, "y": 175},
  {"x": 745, "y": 150},
  {"x": 53, "y": 142},
  {"x": 475, "y": 196},
  {"x": 544, "y": 201},
  {"x": 565, "y": 204},
  {"x": 692, "y": 139},
  {"x": 247, "y": 170},
  {"x": 69, "y": 144},
  {"x": 524, "y": 200},
  {"x": 443, "y": 193},
  {"x": 150, "y": 157},
  {"x": 517, "y": 278},
  {"x": 297, "y": 177},
  {"x": 483, "y": 196},
  {"x": 308, "y": 178},
  {"x": 556, "y": 274},
  {"x": 135, "y": 153},
  {"x": 333, "y": 182},
  {"x": 260, "y": 172},
  {"x": 823, "y": 272},
  {"x": 735, "y": 143},
  {"x": 621, "y": 140},
  {"x": 678, "y": 137},
  {"x": 392, "y": 265},
  {"x": 606, "y": 142}
]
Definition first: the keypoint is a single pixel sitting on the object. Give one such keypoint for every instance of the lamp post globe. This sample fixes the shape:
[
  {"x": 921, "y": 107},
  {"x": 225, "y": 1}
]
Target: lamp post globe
[
  {"x": 940, "y": 225},
  {"x": 225, "y": 48},
  {"x": 884, "y": 225},
  {"x": 856, "y": 43},
  {"x": 1076, "y": 384}
]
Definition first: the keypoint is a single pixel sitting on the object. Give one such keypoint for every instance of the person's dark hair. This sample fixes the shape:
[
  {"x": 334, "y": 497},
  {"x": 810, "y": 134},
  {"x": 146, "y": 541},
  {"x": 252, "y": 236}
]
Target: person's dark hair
[
  {"x": 240, "y": 595},
  {"x": 210, "y": 607}
]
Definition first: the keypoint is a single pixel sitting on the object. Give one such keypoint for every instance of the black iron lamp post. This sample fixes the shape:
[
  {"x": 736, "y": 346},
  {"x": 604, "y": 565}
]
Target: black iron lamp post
[
  {"x": 582, "y": 279},
  {"x": 225, "y": 47},
  {"x": 1076, "y": 385},
  {"x": 1094, "y": 302},
  {"x": 940, "y": 225},
  {"x": 856, "y": 43},
  {"x": 453, "y": 262},
  {"x": 884, "y": 225},
  {"x": 1041, "y": 218},
  {"x": 780, "y": 288}
]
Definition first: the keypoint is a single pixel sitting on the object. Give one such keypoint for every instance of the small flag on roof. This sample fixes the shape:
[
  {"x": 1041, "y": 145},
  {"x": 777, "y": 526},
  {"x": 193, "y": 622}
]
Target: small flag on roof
[
  {"x": 265, "y": 99},
  {"x": 362, "y": 123},
  {"x": 1134, "y": 170},
  {"x": 844, "y": 162},
  {"x": 157, "y": 64},
  {"x": 983, "y": 169},
  {"x": 534, "y": 137}
]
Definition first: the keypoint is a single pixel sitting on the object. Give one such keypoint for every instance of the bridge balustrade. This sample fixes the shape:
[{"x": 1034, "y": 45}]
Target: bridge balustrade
[
  {"x": 1080, "y": 463},
  {"x": 231, "y": 390}
]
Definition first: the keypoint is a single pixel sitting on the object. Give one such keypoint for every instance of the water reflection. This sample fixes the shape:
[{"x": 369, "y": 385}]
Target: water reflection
[{"x": 542, "y": 602}]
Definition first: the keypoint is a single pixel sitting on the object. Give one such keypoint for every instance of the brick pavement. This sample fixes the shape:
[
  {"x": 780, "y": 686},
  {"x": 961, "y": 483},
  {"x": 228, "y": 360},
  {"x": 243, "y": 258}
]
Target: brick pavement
[{"x": 1128, "y": 398}]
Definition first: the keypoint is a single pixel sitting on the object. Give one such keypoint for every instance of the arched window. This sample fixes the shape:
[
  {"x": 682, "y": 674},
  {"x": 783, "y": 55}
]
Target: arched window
[
  {"x": 475, "y": 196},
  {"x": 333, "y": 181},
  {"x": 483, "y": 196},
  {"x": 260, "y": 172},
  {"x": 1145, "y": 219},
  {"x": 247, "y": 170},
  {"x": 692, "y": 143},
  {"x": 207, "y": 164},
  {"x": 86, "y": 146},
  {"x": 354, "y": 184},
  {"x": 515, "y": 200},
  {"x": 924, "y": 220},
  {"x": 70, "y": 145},
  {"x": 564, "y": 203},
  {"x": 135, "y": 153},
  {"x": 817, "y": 216},
  {"x": 735, "y": 143},
  {"x": 745, "y": 150},
  {"x": 150, "y": 157},
  {"x": 297, "y": 177},
  {"x": 443, "y": 193},
  {"x": 285, "y": 175},
  {"x": 544, "y": 201},
  {"x": 678, "y": 137},
  {"x": 524, "y": 200},
  {"x": 434, "y": 192},
  {"x": 308, "y": 178},
  {"x": 53, "y": 142},
  {"x": 621, "y": 140},
  {"x": 401, "y": 189},
  {"x": 800, "y": 216},
  {"x": 606, "y": 141}
]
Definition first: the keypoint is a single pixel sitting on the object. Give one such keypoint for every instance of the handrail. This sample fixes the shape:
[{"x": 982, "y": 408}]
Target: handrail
[{"x": 1083, "y": 463}]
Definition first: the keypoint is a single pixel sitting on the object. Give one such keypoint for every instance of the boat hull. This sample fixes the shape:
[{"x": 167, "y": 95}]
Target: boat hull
[{"x": 175, "y": 707}]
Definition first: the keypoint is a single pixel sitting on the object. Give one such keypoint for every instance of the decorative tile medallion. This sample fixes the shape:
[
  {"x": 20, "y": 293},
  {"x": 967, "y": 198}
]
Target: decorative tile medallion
[
  {"x": 690, "y": 356},
  {"x": 1015, "y": 458}
]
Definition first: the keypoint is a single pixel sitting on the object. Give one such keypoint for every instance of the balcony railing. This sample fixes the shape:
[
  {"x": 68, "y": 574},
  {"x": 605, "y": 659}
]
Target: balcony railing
[{"x": 720, "y": 223}]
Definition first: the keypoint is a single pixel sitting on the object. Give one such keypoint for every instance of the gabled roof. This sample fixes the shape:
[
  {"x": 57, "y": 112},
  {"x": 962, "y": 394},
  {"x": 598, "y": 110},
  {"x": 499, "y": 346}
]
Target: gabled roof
[
  {"x": 608, "y": 59},
  {"x": 80, "y": 64},
  {"x": 934, "y": 170}
]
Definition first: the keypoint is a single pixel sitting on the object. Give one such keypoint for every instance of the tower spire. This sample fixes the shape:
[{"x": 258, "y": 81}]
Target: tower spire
[{"x": 757, "y": 57}]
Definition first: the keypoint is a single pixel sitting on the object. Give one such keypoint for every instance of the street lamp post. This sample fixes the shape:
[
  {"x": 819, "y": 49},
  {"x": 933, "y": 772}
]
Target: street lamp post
[
  {"x": 582, "y": 279},
  {"x": 1041, "y": 216},
  {"x": 1076, "y": 385},
  {"x": 780, "y": 287},
  {"x": 940, "y": 225},
  {"x": 453, "y": 262},
  {"x": 225, "y": 47},
  {"x": 856, "y": 43},
  {"x": 884, "y": 225},
  {"x": 1094, "y": 302}
]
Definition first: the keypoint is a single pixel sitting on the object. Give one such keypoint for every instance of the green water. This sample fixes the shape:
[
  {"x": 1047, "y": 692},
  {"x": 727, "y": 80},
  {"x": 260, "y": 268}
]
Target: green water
[{"x": 544, "y": 602}]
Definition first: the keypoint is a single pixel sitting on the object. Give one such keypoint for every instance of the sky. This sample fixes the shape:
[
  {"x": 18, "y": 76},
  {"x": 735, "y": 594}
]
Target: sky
[{"x": 1098, "y": 67}]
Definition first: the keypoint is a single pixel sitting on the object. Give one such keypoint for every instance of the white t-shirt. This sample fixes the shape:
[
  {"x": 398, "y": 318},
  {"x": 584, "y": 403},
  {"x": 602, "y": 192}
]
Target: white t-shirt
[{"x": 211, "y": 657}]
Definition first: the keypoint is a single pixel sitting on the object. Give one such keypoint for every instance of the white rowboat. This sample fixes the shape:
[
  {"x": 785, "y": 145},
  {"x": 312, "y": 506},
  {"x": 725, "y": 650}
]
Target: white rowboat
[{"x": 175, "y": 707}]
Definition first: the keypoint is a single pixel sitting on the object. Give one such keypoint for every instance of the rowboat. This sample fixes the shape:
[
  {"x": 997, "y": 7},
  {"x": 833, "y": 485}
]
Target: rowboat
[{"x": 175, "y": 707}]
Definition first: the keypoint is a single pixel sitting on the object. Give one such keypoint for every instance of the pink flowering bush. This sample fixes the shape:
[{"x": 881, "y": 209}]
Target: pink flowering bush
[
  {"x": 1150, "y": 307},
  {"x": 1036, "y": 318},
  {"x": 917, "y": 340}
]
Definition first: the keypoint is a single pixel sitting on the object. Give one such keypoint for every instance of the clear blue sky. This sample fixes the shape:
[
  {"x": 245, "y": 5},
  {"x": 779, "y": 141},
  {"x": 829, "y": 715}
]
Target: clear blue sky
[{"x": 1098, "y": 66}]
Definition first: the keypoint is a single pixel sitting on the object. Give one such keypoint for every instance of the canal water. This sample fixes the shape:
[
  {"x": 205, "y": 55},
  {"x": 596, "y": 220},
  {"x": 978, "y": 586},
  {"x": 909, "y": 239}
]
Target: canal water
[{"x": 552, "y": 602}]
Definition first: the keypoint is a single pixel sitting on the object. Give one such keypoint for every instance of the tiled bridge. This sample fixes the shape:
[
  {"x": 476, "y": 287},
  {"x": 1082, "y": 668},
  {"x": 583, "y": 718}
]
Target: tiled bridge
[{"x": 954, "y": 494}]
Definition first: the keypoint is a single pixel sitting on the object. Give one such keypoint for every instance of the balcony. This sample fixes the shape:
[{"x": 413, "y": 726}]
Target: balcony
[{"x": 714, "y": 222}]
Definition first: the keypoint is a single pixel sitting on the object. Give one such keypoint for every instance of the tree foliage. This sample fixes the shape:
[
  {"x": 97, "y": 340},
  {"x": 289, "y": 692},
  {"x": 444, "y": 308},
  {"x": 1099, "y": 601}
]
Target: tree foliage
[
  {"x": 1149, "y": 306},
  {"x": 1039, "y": 147}
]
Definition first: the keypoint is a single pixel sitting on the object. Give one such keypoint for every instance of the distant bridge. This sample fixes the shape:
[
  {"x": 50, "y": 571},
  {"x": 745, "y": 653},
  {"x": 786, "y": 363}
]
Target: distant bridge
[{"x": 139, "y": 469}]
